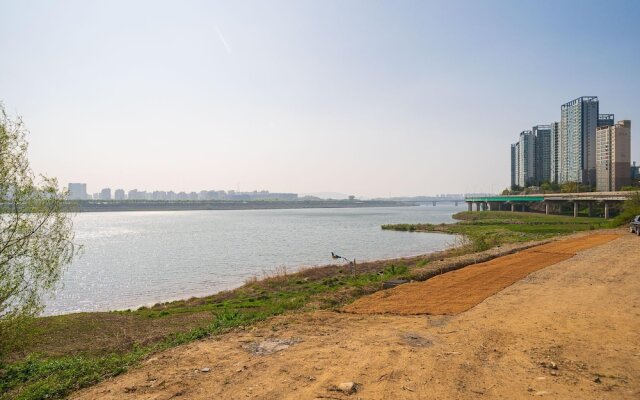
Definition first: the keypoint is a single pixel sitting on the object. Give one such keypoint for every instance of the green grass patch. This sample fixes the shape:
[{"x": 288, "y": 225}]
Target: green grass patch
[
  {"x": 487, "y": 229},
  {"x": 43, "y": 376},
  {"x": 39, "y": 377}
]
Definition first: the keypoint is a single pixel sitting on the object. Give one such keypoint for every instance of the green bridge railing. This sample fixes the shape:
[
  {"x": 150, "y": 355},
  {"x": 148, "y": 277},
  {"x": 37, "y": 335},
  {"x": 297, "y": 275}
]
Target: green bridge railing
[{"x": 505, "y": 199}]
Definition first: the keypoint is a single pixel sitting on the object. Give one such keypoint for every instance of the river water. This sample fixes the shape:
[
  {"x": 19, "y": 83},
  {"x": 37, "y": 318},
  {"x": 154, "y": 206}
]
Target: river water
[{"x": 132, "y": 259}]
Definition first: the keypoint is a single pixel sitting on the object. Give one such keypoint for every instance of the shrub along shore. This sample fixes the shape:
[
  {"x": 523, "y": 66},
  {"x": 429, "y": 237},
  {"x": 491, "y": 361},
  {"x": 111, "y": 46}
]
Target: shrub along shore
[{"x": 53, "y": 356}]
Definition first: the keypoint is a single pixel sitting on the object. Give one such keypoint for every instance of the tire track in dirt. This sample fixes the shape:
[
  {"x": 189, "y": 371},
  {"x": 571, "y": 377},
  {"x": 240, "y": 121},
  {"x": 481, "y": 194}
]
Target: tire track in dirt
[{"x": 458, "y": 291}]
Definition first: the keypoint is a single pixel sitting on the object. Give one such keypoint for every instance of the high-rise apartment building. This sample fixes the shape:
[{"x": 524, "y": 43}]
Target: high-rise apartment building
[
  {"x": 119, "y": 194},
  {"x": 134, "y": 194},
  {"x": 514, "y": 165},
  {"x": 531, "y": 157},
  {"x": 578, "y": 123},
  {"x": 542, "y": 135},
  {"x": 613, "y": 156},
  {"x": 78, "y": 191},
  {"x": 554, "y": 151},
  {"x": 635, "y": 171},
  {"x": 105, "y": 194},
  {"x": 605, "y": 120},
  {"x": 527, "y": 159}
]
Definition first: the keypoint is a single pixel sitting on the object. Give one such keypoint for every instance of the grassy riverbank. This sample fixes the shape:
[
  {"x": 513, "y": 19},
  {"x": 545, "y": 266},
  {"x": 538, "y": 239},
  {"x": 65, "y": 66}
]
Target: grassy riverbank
[
  {"x": 56, "y": 355},
  {"x": 488, "y": 229},
  {"x": 59, "y": 354}
]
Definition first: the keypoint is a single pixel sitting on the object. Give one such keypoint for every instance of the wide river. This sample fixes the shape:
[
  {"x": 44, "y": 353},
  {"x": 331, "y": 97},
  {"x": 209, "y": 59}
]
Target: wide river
[{"x": 132, "y": 259}]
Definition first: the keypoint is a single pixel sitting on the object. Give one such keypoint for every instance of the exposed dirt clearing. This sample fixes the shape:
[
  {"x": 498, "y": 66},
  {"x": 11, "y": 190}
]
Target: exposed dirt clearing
[
  {"x": 458, "y": 291},
  {"x": 569, "y": 331}
]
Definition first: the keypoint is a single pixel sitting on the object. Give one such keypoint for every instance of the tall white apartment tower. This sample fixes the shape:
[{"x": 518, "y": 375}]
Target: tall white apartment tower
[
  {"x": 578, "y": 123},
  {"x": 554, "y": 152},
  {"x": 526, "y": 159},
  {"x": 543, "y": 153},
  {"x": 514, "y": 165}
]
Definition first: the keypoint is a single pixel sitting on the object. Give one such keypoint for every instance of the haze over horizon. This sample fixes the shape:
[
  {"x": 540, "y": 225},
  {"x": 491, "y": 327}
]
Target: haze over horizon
[{"x": 371, "y": 99}]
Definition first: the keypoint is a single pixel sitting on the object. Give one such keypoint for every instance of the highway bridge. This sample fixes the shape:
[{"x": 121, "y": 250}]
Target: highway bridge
[
  {"x": 523, "y": 202},
  {"x": 433, "y": 202}
]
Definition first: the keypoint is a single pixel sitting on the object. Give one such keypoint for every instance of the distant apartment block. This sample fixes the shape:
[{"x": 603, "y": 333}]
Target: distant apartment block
[
  {"x": 613, "y": 156},
  {"x": 134, "y": 194},
  {"x": 605, "y": 120},
  {"x": 578, "y": 123},
  {"x": 635, "y": 171},
  {"x": 119, "y": 195},
  {"x": 78, "y": 191},
  {"x": 526, "y": 159},
  {"x": 514, "y": 165},
  {"x": 554, "y": 152},
  {"x": 531, "y": 157},
  {"x": 542, "y": 135},
  {"x": 105, "y": 194},
  {"x": 159, "y": 195}
]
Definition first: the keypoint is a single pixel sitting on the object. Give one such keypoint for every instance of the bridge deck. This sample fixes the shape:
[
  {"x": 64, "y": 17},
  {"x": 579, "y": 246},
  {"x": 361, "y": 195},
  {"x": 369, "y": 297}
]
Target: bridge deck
[{"x": 586, "y": 196}]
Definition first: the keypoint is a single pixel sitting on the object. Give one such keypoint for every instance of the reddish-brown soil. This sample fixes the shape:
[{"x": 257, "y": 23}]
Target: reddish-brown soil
[{"x": 458, "y": 291}]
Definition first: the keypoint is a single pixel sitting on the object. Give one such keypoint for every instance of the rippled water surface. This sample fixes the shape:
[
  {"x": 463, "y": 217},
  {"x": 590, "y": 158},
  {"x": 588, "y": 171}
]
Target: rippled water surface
[{"x": 138, "y": 258}]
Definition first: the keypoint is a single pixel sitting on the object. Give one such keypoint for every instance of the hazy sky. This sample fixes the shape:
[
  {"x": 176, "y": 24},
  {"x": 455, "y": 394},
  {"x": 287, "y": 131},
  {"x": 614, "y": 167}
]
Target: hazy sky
[{"x": 361, "y": 97}]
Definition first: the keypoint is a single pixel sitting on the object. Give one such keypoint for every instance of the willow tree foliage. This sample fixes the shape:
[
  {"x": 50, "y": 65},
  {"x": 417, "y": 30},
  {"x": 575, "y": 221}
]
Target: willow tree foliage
[{"x": 36, "y": 234}]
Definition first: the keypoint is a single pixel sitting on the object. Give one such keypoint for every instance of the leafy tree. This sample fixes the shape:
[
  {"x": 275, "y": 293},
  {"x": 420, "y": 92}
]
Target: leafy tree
[
  {"x": 569, "y": 187},
  {"x": 36, "y": 234},
  {"x": 546, "y": 187},
  {"x": 630, "y": 208},
  {"x": 575, "y": 187}
]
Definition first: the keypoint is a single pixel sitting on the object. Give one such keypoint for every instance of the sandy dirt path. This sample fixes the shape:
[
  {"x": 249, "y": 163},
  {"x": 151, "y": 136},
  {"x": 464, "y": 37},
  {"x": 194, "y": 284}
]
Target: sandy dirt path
[{"x": 568, "y": 331}]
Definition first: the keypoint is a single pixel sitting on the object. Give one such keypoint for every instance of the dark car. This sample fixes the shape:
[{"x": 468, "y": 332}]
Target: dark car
[{"x": 634, "y": 226}]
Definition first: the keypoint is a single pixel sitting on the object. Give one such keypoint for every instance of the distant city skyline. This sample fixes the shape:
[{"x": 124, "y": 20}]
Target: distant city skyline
[
  {"x": 371, "y": 99},
  {"x": 80, "y": 191}
]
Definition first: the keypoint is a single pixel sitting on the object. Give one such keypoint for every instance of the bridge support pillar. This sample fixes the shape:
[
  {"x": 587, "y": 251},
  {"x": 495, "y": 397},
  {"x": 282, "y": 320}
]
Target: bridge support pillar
[
  {"x": 546, "y": 208},
  {"x": 477, "y": 206},
  {"x": 513, "y": 207},
  {"x": 470, "y": 206},
  {"x": 591, "y": 208},
  {"x": 606, "y": 210},
  {"x": 575, "y": 209}
]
